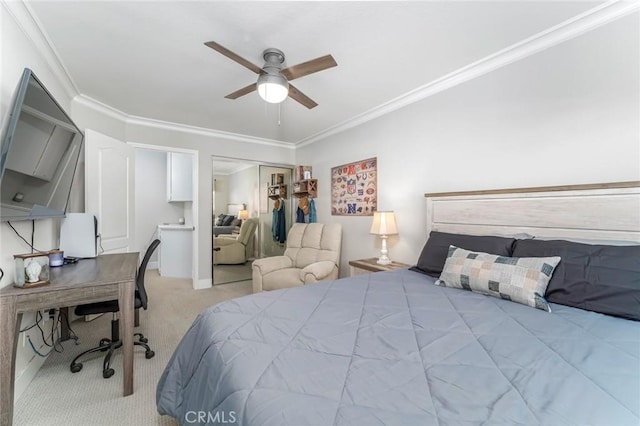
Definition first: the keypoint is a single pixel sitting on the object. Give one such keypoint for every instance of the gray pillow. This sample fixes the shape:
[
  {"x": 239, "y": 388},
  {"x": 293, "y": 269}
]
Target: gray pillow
[
  {"x": 227, "y": 220},
  {"x": 599, "y": 278},
  {"x": 219, "y": 220},
  {"x": 434, "y": 253}
]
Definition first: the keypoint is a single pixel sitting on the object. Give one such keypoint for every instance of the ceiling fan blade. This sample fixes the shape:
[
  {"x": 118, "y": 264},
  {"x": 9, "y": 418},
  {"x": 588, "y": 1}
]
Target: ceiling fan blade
[
  {"x": 309, "y": 67},
  {"x": 233, "y": 56},
  {"x": 297, "y": 95},
  {"x": 245, "y": 90}
]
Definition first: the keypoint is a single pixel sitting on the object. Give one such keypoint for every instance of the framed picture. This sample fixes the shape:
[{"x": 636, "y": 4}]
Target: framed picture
[{"x": 354, "y": 188}]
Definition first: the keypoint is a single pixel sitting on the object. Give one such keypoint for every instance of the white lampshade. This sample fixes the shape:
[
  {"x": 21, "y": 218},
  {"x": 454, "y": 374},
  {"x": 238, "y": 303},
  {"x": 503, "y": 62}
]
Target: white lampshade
[
  {"x": 273, "y": 88},
  {"x": 243, "y": 214},
  {"x": 384, "y": 223}
]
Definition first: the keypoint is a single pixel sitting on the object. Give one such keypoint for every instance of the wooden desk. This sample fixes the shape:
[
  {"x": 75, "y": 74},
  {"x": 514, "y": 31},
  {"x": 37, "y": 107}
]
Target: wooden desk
[{"x": 91, "y": 280}]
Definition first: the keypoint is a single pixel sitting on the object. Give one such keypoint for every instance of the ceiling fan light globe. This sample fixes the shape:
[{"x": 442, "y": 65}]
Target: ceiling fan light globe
[{"x": 273, "y": 88}]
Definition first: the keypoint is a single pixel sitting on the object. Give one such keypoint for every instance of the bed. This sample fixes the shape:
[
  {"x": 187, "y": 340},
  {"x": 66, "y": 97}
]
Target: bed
[
  {"x": 226, "y": 224},
  {"x": 393, "y": 348}
]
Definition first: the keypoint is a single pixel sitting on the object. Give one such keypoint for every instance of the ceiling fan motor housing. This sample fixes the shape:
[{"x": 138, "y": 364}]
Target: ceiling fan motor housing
[
  {"x": 273, "y": 58},
  {"x": 272, "y": 86}
]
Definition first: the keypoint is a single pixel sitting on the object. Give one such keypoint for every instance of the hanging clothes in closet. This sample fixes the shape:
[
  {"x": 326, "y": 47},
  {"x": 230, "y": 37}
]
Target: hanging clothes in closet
[
  {"x": 313, "y": 217},
  {"x": 303, "y": 210},
  {"x": 278, "y": 222}
]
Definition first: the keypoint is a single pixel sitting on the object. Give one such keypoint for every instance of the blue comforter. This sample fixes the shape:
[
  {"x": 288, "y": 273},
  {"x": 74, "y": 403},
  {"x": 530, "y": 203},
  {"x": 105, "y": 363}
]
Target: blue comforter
[{"x": 392, "y": 348}]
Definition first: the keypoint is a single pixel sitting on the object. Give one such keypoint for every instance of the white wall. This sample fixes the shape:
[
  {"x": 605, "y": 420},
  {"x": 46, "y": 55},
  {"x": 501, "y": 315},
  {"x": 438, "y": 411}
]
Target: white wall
[
  {"x": 243, "y": 189},
  {"x": 19, "y": 52},
  {"x": 152, "y": 207},
  {"x": 568, "y": 115},
  {"x": 221, "y": 194}
]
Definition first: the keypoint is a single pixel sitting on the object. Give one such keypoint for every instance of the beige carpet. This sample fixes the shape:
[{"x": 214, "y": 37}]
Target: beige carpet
[
  {"x": 224, "y": 274},
  {"x": 58, "y": 397}
]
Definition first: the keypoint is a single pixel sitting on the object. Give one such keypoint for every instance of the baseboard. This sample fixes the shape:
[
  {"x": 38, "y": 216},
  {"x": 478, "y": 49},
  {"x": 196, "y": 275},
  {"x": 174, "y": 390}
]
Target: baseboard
[
  {"x": 202, "y": 284},
  {"x": 152, "y": 265},
  {"x": 28, "y": 374}
]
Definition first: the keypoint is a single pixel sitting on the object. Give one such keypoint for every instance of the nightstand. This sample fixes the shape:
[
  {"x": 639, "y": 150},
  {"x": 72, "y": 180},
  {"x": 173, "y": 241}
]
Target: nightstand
[{"x": 368, "y": 266}]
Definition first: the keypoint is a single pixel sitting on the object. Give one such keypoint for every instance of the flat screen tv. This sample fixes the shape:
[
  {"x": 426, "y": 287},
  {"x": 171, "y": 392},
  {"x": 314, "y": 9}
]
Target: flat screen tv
[{"x": 38, "y": 156}]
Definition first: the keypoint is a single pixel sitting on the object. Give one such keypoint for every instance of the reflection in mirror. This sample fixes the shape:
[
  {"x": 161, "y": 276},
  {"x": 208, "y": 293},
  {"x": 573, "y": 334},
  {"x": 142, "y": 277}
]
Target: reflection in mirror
[
  {"x": 239, "y": 190},
  {"x": 39, "y": 154},
  {"x": 234, "y": 186}
]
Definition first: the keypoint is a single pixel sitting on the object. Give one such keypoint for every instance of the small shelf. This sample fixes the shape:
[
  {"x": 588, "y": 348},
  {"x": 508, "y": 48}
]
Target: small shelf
[
  {"x": 277, "y": 191},
  {"x": 306, "y": 188}
]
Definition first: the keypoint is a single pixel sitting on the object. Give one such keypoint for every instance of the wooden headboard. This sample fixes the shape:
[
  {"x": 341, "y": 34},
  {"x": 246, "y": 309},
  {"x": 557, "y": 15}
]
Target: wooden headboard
[{"x": 599, "y": 212}]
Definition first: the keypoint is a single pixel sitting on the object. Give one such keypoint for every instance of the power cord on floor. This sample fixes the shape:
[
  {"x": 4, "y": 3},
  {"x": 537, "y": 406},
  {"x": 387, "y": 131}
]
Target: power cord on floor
[{"x": 53, "y": 344}]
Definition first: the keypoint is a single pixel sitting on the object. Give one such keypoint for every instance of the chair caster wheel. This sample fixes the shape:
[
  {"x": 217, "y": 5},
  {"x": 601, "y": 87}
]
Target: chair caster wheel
[
  {"x": 149, "y": 354},
  {"x": 108, "y": 373},
  {"x": 143, "y": 340},
  {"x": 75, "y": 367}
]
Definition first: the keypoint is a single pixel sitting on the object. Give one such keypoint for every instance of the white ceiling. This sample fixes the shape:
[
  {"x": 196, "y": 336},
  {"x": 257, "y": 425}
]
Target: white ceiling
[{"x": 148, "y": 59}]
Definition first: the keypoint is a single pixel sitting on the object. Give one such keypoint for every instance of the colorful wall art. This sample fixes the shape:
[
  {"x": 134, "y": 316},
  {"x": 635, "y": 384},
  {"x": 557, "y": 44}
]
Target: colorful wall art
[{"x": 354, "y": 188}]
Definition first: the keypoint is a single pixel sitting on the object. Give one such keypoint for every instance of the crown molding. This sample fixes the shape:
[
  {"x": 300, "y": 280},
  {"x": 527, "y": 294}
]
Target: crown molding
[
  {"x": 28, "y": 23},
  {"x": 101, "y": 107},
  {"x": 569, "y": 29},
  {"x": 171, "y": 126},
  {"x": 591, "y": 19}
]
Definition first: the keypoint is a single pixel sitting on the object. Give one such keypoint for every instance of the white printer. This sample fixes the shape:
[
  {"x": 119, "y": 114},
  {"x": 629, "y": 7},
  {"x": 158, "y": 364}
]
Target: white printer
[{"x": 79, "y": 235}]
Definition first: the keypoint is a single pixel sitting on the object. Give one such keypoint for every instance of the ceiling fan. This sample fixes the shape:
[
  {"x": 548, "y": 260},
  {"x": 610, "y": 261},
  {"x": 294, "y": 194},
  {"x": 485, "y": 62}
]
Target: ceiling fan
[{"x": 273, "y": 82}]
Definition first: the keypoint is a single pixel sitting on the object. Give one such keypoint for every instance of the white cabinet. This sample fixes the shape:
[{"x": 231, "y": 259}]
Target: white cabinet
[
  {"x": 179, "y": 176},
  {"x": 176, "y": 259}
]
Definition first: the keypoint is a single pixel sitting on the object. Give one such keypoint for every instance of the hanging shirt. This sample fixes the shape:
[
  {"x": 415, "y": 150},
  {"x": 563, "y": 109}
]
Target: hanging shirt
[
  {"x": 299, "y": 216},
  {"x": 313, "y": 217},
  {"x": 279, "y": 224}
]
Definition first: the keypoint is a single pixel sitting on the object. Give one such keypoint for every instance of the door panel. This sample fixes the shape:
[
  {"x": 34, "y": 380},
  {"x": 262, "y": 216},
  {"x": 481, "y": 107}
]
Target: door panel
[{"x": 110, "y": 173}]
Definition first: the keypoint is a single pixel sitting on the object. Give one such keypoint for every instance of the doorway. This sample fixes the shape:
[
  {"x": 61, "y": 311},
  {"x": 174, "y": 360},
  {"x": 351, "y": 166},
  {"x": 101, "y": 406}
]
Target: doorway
[
  {"x": 166, "y": 208},
  {"x": 241, "y": 216}
]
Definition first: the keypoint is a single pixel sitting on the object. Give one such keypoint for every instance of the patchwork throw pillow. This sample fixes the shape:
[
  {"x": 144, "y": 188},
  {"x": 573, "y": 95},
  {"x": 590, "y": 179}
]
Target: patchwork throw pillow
[{"x": 519, "y": 279}]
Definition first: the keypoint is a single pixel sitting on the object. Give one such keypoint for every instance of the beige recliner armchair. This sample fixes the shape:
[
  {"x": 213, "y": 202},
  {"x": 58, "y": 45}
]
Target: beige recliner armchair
[
  {"x": 234, "y": 250},
  {"x": 312, "y": 254}
]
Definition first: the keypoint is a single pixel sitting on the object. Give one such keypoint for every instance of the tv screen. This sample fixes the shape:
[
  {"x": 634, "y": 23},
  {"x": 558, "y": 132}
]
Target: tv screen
[{"x": 38, "y": 156}]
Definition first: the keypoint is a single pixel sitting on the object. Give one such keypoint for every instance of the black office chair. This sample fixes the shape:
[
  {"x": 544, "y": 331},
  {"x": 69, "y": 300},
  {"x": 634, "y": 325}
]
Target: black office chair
[{"x": 112, "y": 306}]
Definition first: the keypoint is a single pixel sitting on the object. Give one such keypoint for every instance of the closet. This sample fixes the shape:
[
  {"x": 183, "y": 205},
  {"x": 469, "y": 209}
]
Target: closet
[{"x": 276, "y": 208}]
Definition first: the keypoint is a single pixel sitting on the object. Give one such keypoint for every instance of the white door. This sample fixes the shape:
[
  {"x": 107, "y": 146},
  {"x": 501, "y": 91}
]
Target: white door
[{"x": 109, "y": 190}]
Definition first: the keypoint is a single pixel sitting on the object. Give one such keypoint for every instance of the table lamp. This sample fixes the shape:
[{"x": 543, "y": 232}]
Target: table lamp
[
  {"x": 243, "y": 214},
  {"x": 384, "y": 224}
]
